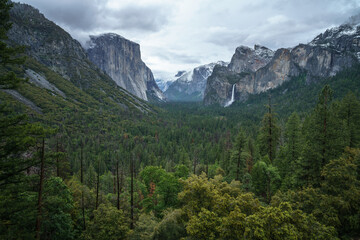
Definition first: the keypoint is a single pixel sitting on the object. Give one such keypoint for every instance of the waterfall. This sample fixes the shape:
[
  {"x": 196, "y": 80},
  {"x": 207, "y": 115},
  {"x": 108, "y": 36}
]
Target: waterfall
[{"x": 232, "y": 97}]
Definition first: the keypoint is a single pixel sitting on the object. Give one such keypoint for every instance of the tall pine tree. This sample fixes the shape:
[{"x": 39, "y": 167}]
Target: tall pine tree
[
  {"x": 324, "y": 138},
  {"x": 269, "y": 134}
]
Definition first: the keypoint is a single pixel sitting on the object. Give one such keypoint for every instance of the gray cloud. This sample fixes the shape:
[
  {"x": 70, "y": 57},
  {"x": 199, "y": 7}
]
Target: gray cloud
[
  {"x": 178, "y": 58},
  {"x": 176, "y": 35},
  {"x": 146, "y": 18},
  {"x": 92, "y": 15},
  {"x": 227, "y": 38},
  {"x": 75, "y": 14}
]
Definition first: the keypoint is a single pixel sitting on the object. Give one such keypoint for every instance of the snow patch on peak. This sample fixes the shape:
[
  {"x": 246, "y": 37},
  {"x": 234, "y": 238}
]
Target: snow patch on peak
[{"x": 335, "y": 33}]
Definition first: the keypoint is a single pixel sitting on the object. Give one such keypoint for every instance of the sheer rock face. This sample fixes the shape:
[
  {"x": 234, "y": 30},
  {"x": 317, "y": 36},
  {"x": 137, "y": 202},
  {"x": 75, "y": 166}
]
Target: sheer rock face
[
  {"x": 327, "y": 54},
  {"x": 121, "y": 60}
]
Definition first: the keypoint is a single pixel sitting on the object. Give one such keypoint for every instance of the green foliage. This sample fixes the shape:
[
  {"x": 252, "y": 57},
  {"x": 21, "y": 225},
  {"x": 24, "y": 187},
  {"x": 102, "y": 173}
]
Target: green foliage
[
  {"x": 162, "y": 188},
  {"x": 269, "y": 134},
  {"x": 237, "y": 156},
  {"x": 100, "y": 124},
  {"x": 324, "y": 138},
  {"x": 239, "y": 215},
  {"x": 181, "y": 171},
  {"x": 108, "y": 223},
  {"x": 8, "y": 55},
  {"x": 172, "y": 226},
  {"x": 57, "y": 208},
  {"x": 204, "y": 225},
  {"x": 350, "y": 112},
  {"x": 265, "y": 179},
  {"x": 335, "y": 203},
  {"x": 144, "y": 228},
  {"x": 284, "y": 223}
]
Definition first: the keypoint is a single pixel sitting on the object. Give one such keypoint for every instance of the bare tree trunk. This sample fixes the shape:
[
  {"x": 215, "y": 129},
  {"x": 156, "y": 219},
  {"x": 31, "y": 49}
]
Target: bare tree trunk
[
  {"x": 195, "y": 161},
  {"x": 97, "y": 185},
  {"x": 132, "y": 193},
  {"x": 238, "y": 169},
  {"x": 57, "y": 158},
  {"x": 39, "y": 205},
  {"x": 324, "y": 135},
  {"x": 82, "y": 182},
  {"x": 118, "y": 185},
  {"x": 270, "y": 132}
]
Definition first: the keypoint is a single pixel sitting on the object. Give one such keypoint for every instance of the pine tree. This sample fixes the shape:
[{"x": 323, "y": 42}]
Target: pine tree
[
  {"x": 290, "y": 152},
  {"x": 8, "y": 55},
  {"x": 14, "y": 129},
  {"x": 269, "y": 134},
  {"x": 237, "y": 157},
  {"x": 350, "y": 113},
  {"x": 324, "y": 139},
  {"x": 293, "y": 138}
]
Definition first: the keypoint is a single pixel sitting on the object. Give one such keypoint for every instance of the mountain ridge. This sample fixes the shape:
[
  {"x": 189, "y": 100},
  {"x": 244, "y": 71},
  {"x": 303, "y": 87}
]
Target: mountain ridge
[
  {"x": 330, "y": 52},
  {"x": 49, "y": 45}
]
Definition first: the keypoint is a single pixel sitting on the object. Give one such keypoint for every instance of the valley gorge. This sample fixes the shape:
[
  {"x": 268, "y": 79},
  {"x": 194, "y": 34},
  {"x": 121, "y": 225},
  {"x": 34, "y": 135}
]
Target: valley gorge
[{"x": 266, "y": 146}]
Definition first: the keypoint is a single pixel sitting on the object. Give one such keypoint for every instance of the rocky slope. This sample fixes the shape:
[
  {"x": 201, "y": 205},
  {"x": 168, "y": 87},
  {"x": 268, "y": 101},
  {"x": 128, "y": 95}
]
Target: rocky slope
[
  {"x": 51, "y": 46},
  {"x": 327, "y": 54},
  {"x": 190, "y": 86},
  {"x": 121, "y": 60}
]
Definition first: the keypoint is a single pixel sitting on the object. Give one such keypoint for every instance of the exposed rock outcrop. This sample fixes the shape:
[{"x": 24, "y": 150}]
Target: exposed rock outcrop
[
  {"x": 246, "y": 59},
  {"x": 54, "y": 48},
  {"x": 120, "y": 58},
  {"x": 327, "y": 54}
]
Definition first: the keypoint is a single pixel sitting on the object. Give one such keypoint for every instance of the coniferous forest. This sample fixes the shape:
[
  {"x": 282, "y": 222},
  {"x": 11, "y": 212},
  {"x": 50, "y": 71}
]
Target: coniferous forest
[{"x": 281, "y": 165}]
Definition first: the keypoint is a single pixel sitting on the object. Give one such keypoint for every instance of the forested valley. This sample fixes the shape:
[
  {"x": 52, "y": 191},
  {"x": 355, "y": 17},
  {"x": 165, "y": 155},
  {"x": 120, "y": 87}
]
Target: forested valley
[{"x": 284, "y": 164}]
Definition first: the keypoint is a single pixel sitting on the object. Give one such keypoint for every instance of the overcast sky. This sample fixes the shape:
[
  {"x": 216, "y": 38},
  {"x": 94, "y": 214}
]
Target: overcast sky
[{"x": 182, "y": 34}]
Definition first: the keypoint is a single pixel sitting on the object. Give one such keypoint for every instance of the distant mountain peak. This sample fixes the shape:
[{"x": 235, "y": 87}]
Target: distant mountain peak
[
  {"x": 190, "y": 85},
  {"x": 179, "y": 74}
]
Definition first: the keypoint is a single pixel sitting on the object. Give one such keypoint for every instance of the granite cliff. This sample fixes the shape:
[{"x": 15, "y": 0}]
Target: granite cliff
[
  {"x": 51, "y": 46},
  {"x": 253, "y": 73},
  {"x": 120, "y": 58}
]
